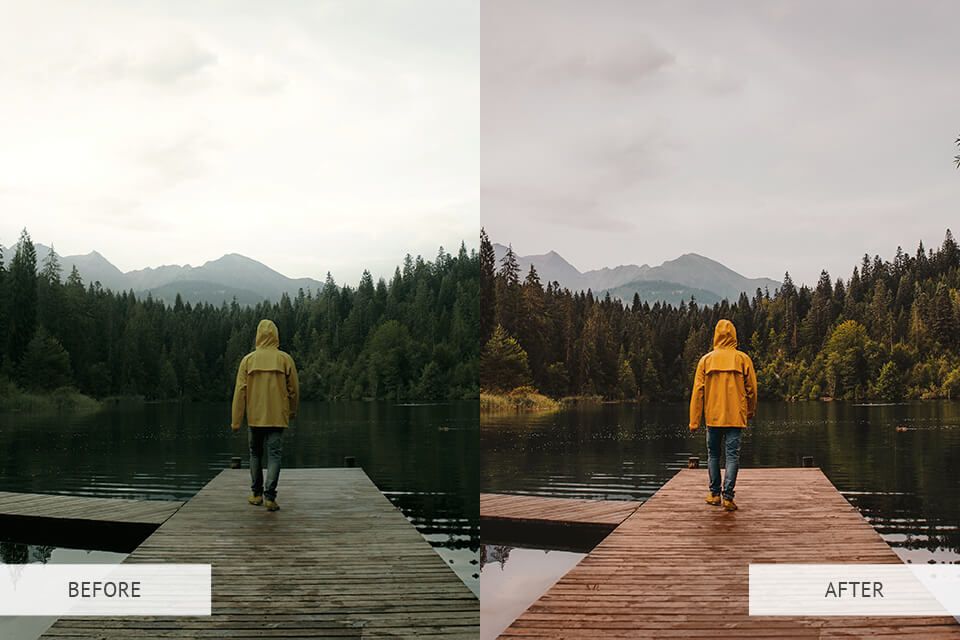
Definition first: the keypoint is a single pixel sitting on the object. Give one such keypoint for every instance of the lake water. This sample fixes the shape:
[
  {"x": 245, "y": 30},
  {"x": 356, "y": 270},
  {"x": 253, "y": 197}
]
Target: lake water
[
  {"x": 423, "y": 458},
  {"x": 512, "y": 578},
  {"x": 897, "y": 464}
]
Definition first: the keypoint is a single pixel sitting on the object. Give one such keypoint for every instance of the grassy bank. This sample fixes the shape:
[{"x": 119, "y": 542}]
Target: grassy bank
[
  {"x": 62, "y": 400},
  {"x": 520, "y": 400}
]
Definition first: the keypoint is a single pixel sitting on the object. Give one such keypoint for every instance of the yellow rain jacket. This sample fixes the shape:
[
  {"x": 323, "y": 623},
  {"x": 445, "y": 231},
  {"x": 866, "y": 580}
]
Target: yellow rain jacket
[
  {"x": 725, "y": 385},
  {"x": 267, "y": 390}
]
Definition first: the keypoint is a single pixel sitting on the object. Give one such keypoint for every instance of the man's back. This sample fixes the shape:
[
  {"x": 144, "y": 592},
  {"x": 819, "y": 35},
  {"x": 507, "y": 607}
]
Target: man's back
[
  {"x": 267, "y": 390},
  {"x": 725, "y": 384}
]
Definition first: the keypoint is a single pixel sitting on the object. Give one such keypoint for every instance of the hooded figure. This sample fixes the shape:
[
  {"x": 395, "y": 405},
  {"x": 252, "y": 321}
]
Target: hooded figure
[
  {"x": 725, "y": 395},
  {"x": 725, "y": 385},
  {"x": 268, "y": 392}
]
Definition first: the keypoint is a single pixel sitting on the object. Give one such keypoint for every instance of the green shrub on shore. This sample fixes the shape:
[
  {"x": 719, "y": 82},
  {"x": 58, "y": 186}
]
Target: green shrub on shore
[
  {"x": 521, "y": 400},
  {"x": 60, "y": 400}
]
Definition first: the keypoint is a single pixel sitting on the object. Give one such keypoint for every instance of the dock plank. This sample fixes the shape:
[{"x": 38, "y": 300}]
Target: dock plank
[
  {"x": 67, "y": 507},
  {"x": 523, "y": 508},
  {"x": 678, "y": 568},
  {"x": 338, "y": 560}
]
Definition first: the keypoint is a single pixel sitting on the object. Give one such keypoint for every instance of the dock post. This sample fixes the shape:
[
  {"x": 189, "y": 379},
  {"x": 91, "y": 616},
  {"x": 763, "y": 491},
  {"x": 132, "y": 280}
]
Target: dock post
[
  {"x": 693, "y": 462},
  {"x": 235, "y": 462},
  {"x": 806, "y": 461},
  {"x": 349, "y": 461}
]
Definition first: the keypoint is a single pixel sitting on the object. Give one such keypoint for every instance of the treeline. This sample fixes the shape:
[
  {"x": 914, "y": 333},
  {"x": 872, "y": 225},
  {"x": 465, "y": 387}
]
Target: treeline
[
  {"x": 414, "y": 337},
  {"x": 890, "y": 332}
]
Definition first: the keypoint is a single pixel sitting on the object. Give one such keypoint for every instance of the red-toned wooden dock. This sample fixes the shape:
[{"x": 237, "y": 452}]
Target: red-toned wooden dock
[
  {"x": 537, "y": 509},
  {"x": 678, "y": 568}
]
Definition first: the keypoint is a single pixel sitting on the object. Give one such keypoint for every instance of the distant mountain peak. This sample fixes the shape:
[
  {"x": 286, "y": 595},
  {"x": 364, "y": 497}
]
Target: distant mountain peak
[
  {"x": 233, "y": 275},
  {"x": 235, "y": 257},
  {"x": 688, "y": 274},
  {"x": 693, "y": 257}
]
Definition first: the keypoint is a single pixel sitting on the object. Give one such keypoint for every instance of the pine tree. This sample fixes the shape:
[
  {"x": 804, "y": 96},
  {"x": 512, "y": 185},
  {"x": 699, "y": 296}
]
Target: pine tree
[
  {"x": 45, "y": 364},
  {"x": 626, "y": 380},
  {"x": 533, "y": 321},
  {"x": 503, "y": 363},
  {"x": 508, "y": 304},
  {"x": 51, "y": 270},
  {"x": 23, "y": 297},
  {"x": 949, "y": 252},
  {"x": 650, "y": 382},
  {"x": 74, "y": 279}
]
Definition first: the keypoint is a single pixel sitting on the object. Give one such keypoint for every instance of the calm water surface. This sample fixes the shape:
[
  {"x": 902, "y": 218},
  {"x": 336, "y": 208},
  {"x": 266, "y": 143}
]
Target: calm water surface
[
  {"x": 423, "y": 458},
  {"x": 897, "y": 464},
  {"x": 511, "y": 575}
]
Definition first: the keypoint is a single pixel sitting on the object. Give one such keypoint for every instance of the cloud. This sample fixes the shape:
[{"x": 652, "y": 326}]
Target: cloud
[
  {"x": 171, "y": 161},
  {"x": 137, "y": 128},
  {"x": 751, "y": 131},
  {"x": 620, "y": 63},
  {"x": 126, "y": 214},
  {"x": 169, "y": 62},
  {"x": 572, "y": 208}
]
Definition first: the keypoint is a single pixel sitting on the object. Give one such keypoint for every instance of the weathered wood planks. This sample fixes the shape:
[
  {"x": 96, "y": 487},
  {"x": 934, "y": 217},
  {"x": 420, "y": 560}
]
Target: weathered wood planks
[
  {"x": 678, "y": 568},
  {"x": 65, "y": 507},
  {"x": 526, "y": 509},
  {"x": 338, "y": 560}
]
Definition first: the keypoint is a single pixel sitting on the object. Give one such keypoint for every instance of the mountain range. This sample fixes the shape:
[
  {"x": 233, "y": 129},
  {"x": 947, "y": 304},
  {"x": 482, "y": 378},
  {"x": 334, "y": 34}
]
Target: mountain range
[
  {"x": 234, "y": 276},
  {"x": 690, "y": 275},
  {"x": 231, "y": 276}
]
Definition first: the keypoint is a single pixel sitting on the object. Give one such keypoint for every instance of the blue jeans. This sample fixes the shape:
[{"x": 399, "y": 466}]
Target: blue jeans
[
  {"x": 729, "y": 438},
  {"x": 265, "y": 442}
]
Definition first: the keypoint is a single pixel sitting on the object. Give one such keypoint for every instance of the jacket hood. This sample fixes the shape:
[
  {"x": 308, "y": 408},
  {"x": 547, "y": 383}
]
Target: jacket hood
[
  {"x": 725, "y": 335},
  {"x": 267, "y": 335}
]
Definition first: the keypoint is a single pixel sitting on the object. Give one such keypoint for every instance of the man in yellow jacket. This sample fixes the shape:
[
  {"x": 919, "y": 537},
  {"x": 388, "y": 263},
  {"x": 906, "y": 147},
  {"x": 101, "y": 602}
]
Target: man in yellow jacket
[
  {"x": 268, "y": 392},
  {"x": 725, "y": 393}
]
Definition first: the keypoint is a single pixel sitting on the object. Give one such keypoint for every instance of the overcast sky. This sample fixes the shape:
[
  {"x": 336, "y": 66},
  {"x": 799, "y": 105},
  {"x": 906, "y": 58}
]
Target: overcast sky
[
  {"x": 770, "y": 136},
  {"x": 311, "y": 136}
]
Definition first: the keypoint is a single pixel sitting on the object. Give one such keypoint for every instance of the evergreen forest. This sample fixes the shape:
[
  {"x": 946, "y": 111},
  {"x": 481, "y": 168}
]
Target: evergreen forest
[
  {"x": 412, "y": 338},
  {"x": 889, "y": 332}
]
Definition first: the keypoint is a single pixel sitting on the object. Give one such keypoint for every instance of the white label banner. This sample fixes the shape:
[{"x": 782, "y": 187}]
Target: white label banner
[
  {"x": 854, "y": 590},
  {"x": 105, "y": 590}
]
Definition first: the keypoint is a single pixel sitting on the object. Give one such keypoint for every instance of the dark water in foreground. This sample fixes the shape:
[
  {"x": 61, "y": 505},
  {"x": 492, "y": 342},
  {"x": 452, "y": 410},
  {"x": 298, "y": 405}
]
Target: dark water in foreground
[
  {"x": 897, "y": 464},
  {"x": 423, "y": 458}
]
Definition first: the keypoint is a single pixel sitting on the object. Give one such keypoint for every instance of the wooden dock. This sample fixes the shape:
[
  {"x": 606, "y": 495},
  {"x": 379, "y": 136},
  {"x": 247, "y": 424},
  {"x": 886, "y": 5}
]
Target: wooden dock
[
  {"x": 338, "y": 560},
  {"x": 537, "y": 509},
  {"x": 73, "y": 508},
  {"x": 106, "y": 524},
  {"x": 678, "y": 568}
]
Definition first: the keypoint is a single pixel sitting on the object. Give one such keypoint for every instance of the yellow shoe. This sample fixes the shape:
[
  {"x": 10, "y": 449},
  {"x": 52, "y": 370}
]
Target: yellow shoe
[
  {"x": 729, "y": 505},
  {"x": 255, "y": 500},
  {"x": 272, "y": 505},
  {"x": 713, "y": 500}
]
